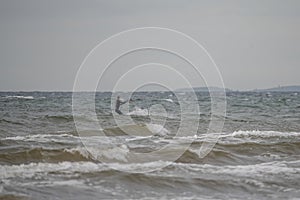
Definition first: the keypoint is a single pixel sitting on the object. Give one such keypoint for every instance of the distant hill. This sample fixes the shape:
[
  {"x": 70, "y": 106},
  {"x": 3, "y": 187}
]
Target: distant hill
[
  {"x": 202, "y": 89},
  {"x": 293, "y": 88}
]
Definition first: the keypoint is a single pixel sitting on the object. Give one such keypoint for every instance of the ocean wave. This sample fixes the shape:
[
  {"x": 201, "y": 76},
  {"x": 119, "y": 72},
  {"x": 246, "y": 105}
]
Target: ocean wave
[
  {"x": 175, "y": 180},
  {"x": 264, "y": 134},
  {"x": 216, "y": 156},
  {"x": 139, "y": 112},
  {"x": 114, "y": 152},
  {"x": 20, "y": 97},
  {"x": 221, "y": 154},
  {"x": 134, "y": 130},
  {"x": 282, "y": 168},
  {"x": 231, "y": 148},
  {"x": 30, "y": 170},
  {"x": 41, "y": 138},
  {"x": 146, "y": 130},
  {"x": 240, "y": 137},
  {"x": 158, "y": 129},
  {"x": 285, "y": 168},
  {"x": 38, "y": 154},
  {"x": 168, "y": 100},
  {"x": 10, "y": 122}
]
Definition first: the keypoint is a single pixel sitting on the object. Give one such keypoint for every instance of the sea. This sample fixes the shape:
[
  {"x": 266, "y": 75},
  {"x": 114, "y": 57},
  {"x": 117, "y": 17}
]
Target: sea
[{"x": 43, "y": 155}]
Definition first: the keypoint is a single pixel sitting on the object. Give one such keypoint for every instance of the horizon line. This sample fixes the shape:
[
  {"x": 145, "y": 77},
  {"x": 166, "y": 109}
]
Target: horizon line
[{"x": 178, "y": 89}]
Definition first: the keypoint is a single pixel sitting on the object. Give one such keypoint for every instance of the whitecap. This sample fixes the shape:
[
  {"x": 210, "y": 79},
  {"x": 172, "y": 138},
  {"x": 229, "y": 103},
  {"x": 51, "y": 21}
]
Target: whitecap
[
  {"x": 43, "y": 138},
  {"x": 139, "y": 112},
  {"x": 30, "y": 170},
  {"x": 20, "y": 97},
  {"x": 264, "y": 134},
  {"x": 117, "y": 152},
  {"x": 157, "y": 129},
  {"x": 169, "y": 100}
]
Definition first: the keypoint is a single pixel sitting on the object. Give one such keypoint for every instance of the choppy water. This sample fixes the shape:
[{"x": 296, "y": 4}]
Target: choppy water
[{"x": 42, "y": 156}]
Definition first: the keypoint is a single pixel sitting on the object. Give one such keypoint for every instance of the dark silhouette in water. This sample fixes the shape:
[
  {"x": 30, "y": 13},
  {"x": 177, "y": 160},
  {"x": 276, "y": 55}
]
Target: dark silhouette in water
[{"x": 119, "y": 102}]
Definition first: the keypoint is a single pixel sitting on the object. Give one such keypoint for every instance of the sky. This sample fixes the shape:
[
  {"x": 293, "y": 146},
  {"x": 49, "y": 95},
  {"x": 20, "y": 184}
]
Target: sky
[{"x": 255, "y": 44}]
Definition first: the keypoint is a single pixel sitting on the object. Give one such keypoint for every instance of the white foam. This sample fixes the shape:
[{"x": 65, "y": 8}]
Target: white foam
[
  {"x": 113, "y": 152},
  {"x": 264, "y": 134},
  {"x": 82, "y": 151},
  {"x": 148, "y": 166},
  {"x": 42, "y": 138},
  {"x": 259, "y": 169},
  {"x": 69, "y": 168},
  {"x": 255, "y": 171},
  {"x": 139, "y": 112},
  {"x": 269, "y": 156},
  {"x": 118, "y": 152},
  {"x": 32, "y": 169},
  {"x": 63, "y": 182},
  {"x": 157, "y": 129},
  {"x": 20, "y": 97},
  {"x": 169, "y": 100}
]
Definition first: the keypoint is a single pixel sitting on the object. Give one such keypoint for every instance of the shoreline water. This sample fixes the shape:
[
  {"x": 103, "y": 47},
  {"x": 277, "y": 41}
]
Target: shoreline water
[{"x": 43, "y": 157}]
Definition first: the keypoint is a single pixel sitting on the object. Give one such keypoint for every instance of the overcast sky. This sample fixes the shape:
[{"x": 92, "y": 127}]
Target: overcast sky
[{"x": 255, "y": 43}]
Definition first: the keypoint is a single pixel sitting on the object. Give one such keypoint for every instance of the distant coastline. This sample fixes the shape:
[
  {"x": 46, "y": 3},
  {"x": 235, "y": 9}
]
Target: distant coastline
[
  {"x": 292, "y": 88},
  {"x": 203, "y": 89}
]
